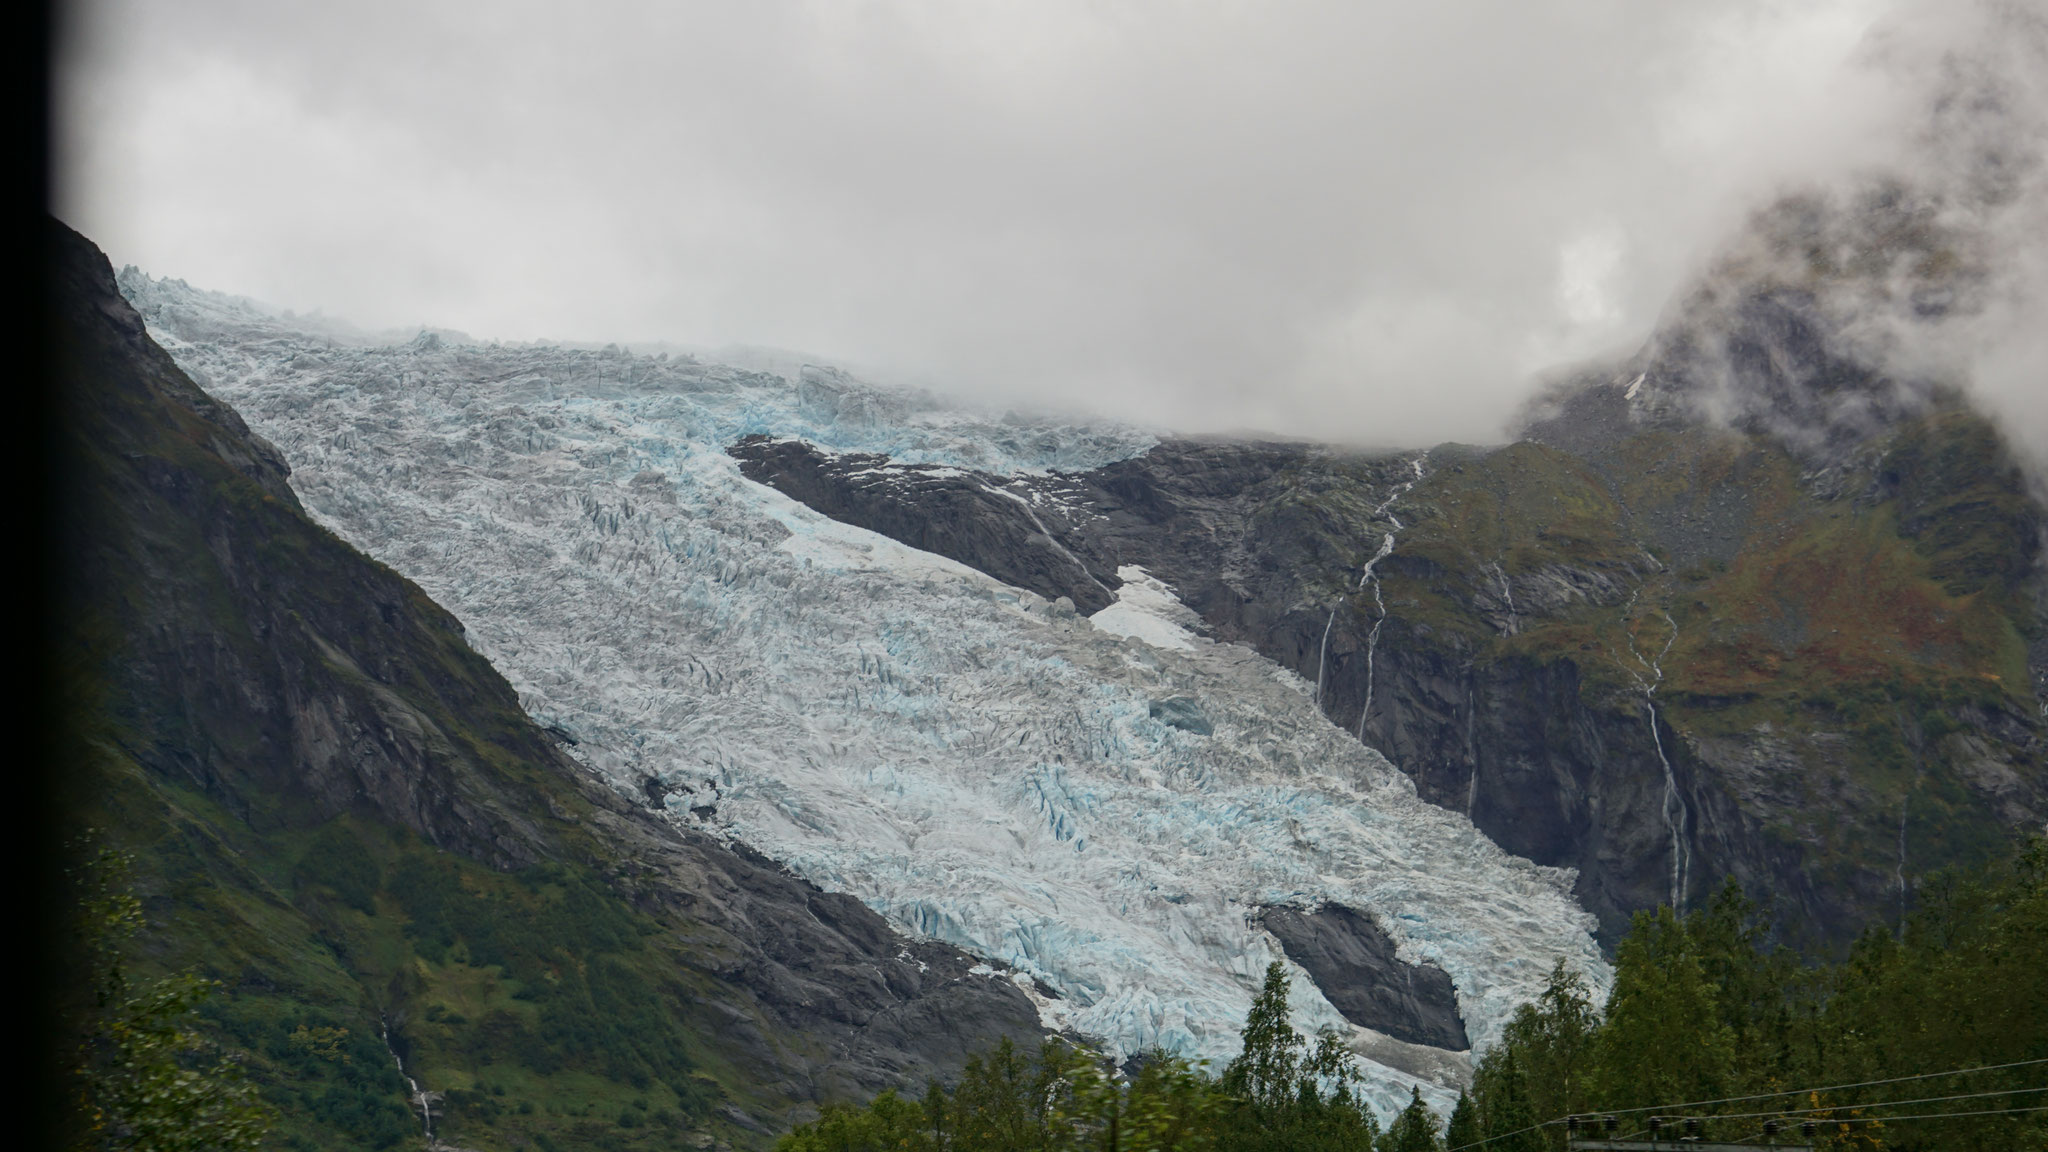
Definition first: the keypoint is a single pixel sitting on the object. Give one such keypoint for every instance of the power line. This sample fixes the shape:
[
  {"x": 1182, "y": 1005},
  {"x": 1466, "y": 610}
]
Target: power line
[
  {"x": 1938, "y": 1115},
  {"x": 1888, "y": 1119},
  {"x": 1872, "y": 1104},
  {"x": 1803, "y": 1091},
  {"x": 1774, "y": 1095}
]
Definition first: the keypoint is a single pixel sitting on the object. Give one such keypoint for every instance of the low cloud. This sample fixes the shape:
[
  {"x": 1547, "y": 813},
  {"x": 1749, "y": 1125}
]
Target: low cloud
[{"x": 1362, "y": 222}]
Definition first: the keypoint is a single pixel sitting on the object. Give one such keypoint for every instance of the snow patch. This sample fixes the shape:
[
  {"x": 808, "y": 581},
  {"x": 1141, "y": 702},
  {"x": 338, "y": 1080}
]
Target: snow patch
[{"x": 1146, "y": 609}]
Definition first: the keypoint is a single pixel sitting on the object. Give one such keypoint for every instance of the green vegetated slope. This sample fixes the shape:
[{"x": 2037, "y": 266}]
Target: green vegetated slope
[
  {"x": 538, "y": 1007},
  {"x": 1840, "y": 672},
  {"x": 336, "y": 810}
]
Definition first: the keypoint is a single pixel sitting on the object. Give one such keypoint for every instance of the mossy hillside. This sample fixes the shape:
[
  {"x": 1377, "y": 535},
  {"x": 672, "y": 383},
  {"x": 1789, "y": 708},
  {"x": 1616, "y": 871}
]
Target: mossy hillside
[
  {"x": 1319, "y": 520},
  {"x": 1519, "y": 512},
  {"x": 539, "y": 1005},
  {"x": 1867, "y": 638}
]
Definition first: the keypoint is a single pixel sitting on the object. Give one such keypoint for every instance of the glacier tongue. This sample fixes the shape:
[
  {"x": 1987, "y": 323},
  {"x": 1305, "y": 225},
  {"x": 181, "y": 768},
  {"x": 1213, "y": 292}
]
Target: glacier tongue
[{"x": 971, "y": 761}]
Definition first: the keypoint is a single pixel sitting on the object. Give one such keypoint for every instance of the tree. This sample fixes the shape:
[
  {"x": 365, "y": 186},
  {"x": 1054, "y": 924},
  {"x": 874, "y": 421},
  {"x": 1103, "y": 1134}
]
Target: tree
[
  {"x": 1501, "y": 1092},
  {"x": 1289, "y": 1095},
  {"x": 1009, "y": 1102},
  {"x": 888, "y": 1124},
  {"x": 147, "y": 1080},
  {"x": 1268, "y": 1067},
  {"x": 1414, "y": 1130},
  {"x": 1463, "y": 1129},
  {"x": 1664, "y": 1039}
]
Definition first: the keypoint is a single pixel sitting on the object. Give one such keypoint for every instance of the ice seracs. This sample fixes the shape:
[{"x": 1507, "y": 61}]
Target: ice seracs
[{"x": 963, "y": 756}]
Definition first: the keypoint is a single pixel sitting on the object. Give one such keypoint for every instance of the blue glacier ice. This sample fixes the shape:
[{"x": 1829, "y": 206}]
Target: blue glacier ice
[{"x": 973, "y": 762}]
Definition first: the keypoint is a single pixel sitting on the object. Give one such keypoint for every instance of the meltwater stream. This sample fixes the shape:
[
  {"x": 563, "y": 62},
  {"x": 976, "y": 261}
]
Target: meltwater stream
[
  {"x": 1676, "y": 817},
  {"x": 974, "y": 763}
]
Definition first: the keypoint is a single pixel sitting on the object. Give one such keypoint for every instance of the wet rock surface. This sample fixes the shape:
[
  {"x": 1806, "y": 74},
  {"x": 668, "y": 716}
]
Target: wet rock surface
[{"x": 1352, "y": 961}]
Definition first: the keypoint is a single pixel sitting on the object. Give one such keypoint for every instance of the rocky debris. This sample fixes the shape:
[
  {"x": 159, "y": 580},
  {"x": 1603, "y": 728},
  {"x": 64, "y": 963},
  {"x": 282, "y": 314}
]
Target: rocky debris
[{"x": 1352, "y": 961}]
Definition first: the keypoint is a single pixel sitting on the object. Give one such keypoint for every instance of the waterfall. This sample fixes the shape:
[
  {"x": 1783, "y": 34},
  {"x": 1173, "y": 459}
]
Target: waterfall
[
  {"x": 1051, "y": 539},
  {"x": 1323, "y": 657},
  {"x": 418, "y": 1097},
  {"x": 1899, "y": 873},
  {"x": 1675, "y": 815},
  {"x": 1372, "y": 638},
  {"x": 1507, "y": 594},
  {"x": 1371, "y": 576}
]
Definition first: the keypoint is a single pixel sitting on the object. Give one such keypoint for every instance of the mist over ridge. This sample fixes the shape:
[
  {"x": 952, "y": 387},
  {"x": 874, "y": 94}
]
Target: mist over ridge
[{"x": 1321, "y": 220}]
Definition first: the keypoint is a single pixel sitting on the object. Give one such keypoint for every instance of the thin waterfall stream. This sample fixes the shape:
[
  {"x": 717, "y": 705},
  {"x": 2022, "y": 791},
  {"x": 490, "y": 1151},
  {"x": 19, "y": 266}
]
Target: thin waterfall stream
[
  {"x": 1370, "y": 576},
  {"x": 1507, "y": 595},
  {"x": 1051, "y": 539},
  {"x": 1676, "y": 818},
  {"x": 419, "y": 1097}
]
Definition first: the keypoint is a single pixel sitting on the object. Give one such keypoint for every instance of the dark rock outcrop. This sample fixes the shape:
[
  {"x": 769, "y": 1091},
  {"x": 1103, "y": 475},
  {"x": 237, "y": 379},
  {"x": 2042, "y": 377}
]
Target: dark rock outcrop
[
  {"x": 939, "y": 510},
  {"x": 1352, "y": 961},
  {"x": 241, "y": 649}
]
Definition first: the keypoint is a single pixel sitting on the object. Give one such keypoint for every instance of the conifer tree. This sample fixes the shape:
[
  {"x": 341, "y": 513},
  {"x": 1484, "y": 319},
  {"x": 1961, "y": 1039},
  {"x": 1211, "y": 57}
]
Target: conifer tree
[
  {"x": 1416, "y": 1129},
  {"x": 1664, "y": 1038},
  {"x": 1464, "y": 1127}
]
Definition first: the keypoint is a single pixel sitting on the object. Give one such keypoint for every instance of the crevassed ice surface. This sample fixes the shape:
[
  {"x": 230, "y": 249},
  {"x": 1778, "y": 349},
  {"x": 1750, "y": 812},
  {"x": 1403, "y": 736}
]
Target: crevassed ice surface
[{"x": 966, "y": 759}]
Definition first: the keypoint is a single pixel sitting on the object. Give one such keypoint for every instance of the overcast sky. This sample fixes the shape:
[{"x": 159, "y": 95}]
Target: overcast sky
[{"x": 1356, "y": 220}]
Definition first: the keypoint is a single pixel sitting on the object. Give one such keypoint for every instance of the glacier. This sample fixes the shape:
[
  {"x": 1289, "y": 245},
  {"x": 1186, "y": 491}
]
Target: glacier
[{"x": 977, "y": 764}]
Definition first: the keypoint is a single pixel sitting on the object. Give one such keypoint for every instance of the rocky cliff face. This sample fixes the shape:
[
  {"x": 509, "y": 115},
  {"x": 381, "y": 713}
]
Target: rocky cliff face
[
  {"x": 1799, "y": 645},
  {"x": 248, "y": 679},
  {"x": 1352, "y": 960}
]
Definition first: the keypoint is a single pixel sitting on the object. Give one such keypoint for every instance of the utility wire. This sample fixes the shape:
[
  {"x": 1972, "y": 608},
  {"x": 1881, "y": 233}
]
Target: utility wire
[
  {"x": 1803, "y": 1091},
  {"x": 1859, "y": 1119},
  {"x": 1770, "y": 1096},
  {"x": 1888, "y": 1119},
  {"x": 1939, "y": 1115},
  {"x": 1872, "y": 1104}
]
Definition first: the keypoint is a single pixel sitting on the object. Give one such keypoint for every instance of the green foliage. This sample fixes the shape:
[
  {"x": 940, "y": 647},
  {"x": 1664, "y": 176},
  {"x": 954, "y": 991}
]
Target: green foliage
[
  {"x": 888, "y": 1123},
  {"x": 1664, "y": 1038},
  {"x": 1464, "y": 1128},
  {"x": 1287, "y": 1094},
  {"x": 536, "y": 1003},
  {"x": 336, "y": 860},
  {"x": 1416, "y": 1129},
  {"x": 148, "y": 1080},
  {"x": 1704, "y": 1008}
]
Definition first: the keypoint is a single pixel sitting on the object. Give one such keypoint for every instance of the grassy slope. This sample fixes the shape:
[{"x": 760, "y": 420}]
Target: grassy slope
[{"x": 317, "y": 967}]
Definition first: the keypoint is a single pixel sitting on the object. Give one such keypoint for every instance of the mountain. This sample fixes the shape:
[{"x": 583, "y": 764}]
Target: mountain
[
  {"x": 1746, "y": 605},
  {"x": 337, "y": 809},
  {"x": 1129, "y": 818},
  {"x": 1104, "y": 721}
]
